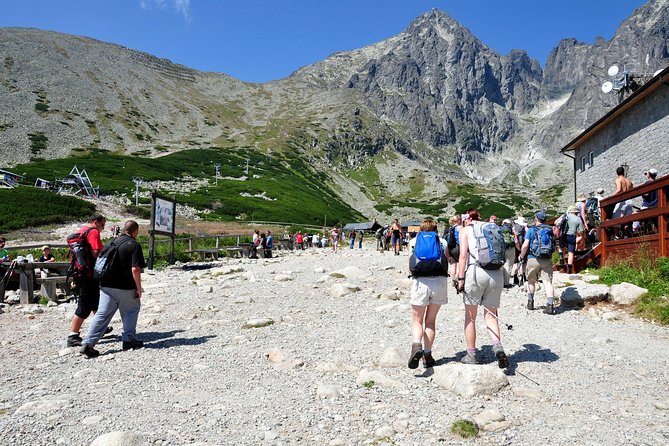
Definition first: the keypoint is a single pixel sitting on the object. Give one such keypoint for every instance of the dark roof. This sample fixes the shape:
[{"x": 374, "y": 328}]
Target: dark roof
[
  {"x": 368, "y": 226},
  {"x": 408, "y": 223},
  {"x": 654, "y": 83}
]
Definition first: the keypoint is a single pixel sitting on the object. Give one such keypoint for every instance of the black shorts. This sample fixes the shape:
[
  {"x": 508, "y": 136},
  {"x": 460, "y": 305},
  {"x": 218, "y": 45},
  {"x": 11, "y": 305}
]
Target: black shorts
[{"x": 89, "y": 296}]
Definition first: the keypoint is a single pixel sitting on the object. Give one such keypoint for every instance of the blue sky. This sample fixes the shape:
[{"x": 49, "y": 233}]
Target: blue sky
[{"x": 262, "y": 40}]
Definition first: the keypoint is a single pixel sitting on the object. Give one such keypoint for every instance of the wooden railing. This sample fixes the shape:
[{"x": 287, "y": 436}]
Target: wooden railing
[{"x": 653, "y": 235}]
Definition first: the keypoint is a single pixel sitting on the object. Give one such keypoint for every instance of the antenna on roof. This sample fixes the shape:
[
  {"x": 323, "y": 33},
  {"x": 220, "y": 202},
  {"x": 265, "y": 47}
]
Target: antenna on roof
[{"x": 625, "y": 82}]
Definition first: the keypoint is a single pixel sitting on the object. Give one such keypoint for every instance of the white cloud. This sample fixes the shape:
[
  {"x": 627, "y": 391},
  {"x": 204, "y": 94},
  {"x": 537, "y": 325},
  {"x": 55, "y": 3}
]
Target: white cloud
[{"x": 180, "y": 6}]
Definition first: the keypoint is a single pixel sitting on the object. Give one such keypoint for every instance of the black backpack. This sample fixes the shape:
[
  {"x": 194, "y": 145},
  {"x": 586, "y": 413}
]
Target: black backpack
[
  {"x": 106, "y": 260},
  {"x": 451, "y": 242},
  {"x": 520, "y": 233}
]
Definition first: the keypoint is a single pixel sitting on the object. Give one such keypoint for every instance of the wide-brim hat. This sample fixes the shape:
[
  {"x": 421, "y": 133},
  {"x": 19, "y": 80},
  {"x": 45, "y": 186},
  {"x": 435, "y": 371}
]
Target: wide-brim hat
[
  {"x": 600, "y": 190},
  {"x": 573, "y": 210},
  {"x": 45, "y": 247},
  {"x": 520, "y": 220},
  {"x": 581, "y": 197}
]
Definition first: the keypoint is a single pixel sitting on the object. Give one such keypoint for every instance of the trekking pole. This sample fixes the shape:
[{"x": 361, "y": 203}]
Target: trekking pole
[{"x": 508, "y": 326}]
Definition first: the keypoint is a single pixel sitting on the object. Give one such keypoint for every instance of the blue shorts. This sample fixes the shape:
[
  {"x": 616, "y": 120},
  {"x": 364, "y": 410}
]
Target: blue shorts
[{"x": 571, "y": 243}]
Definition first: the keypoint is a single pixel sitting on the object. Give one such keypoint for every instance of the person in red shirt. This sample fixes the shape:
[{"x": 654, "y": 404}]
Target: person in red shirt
[{"x": 88, "y": 286}]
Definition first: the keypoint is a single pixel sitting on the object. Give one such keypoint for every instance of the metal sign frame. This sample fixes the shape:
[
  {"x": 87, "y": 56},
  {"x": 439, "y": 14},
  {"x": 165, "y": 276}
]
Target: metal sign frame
[{"x": 163, "y": 222}]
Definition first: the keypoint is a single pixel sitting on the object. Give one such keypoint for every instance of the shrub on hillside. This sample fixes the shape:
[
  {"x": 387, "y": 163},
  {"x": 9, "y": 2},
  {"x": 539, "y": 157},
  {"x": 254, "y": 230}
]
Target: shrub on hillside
[{"x": 22, "y": 207}]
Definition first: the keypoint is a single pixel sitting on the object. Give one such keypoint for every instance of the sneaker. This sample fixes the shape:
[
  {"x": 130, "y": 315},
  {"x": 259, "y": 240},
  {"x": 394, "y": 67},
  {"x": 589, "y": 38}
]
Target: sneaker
[
  {"x": 530, "y": 305},
  {"x": 469, "y": 358},
  {"x": 550, "y": 309},
  {"x": 502, "y": 359},
  {"x": 416, "y": 354},
  {"x": 74, "y": 340},
  {"x": 132, "y": 344},
  {"x": 428, "y": 360},
  {"x": 89, "y": 351},
  {"x": 109, "y": 329}
]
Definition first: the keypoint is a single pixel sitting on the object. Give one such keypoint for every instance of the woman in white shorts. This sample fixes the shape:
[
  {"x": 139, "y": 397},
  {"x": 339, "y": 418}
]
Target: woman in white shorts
[
  {"x": 428, "y": 294},
  {"x": 480, "y": 287}
]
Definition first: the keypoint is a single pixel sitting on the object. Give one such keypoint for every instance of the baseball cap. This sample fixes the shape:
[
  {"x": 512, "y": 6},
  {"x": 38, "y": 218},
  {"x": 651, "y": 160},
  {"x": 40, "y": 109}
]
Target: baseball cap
[
  {"x": 46, "y": 247},
  {"x": 541, "y": 215},
  {"x": 600, "y": 190},
  {"x": 652, "y": 171}
]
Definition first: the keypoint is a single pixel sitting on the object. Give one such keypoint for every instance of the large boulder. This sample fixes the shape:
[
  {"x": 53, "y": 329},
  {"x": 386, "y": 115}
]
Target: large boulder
[
  {"x": 377, "y": 378},
  {"x": 470, "y": 380},
  {"x": 579, "y": 295},
  {"x": 626, "y": 293}
]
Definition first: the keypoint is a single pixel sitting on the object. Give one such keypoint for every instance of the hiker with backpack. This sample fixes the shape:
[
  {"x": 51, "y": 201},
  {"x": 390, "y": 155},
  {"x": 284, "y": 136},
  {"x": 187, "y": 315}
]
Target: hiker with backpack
[
  {"x": 428, "y": 266},
  {"x": 519, "y": 267},
  {"x": 453, "y": 244},
  {"x": 574, "y": 227},
  {"x": 121, "y": 289},
  {"x": 538, "y": 247},
  {"x": 510, "y": 244},
  {"x": 85, "y": 246},
  {"x": 482, "y": 256}
]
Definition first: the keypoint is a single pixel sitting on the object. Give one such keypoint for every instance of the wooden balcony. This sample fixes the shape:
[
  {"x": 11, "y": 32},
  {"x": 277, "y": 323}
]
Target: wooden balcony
[{"x": 616, "y": 234}]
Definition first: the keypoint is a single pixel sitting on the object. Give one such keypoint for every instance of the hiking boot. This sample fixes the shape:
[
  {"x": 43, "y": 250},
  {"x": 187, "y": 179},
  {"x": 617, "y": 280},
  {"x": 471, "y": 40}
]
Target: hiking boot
[
  {"x": 469, "y": 358},
  {"x": 428, "y": 360},
  {"x": 74, "y": 340},
  {"x": 515, "y": 280},
  {"x": 132, "y": 344},
  {"x": 502, "y": 359},
  {"x": 109, "y": 329},
  {"x": 550, "y": 309},
  {"x": 530, "y": 305},
  {"x": 416, "y": 354},
  {"x": 89, "y": 351}
]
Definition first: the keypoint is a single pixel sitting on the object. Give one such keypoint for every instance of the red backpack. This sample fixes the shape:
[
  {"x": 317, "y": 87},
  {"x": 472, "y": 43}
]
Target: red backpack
[{"x": 81, "y": 255}]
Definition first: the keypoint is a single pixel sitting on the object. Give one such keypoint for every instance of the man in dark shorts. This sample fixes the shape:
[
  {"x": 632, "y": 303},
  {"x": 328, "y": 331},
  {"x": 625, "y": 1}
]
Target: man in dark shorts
[
  {"x": 396, "y": 236},
  {"x": 88, "y": 287}
]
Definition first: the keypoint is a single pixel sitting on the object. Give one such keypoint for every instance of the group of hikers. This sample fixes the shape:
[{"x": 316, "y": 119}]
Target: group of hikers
[{"x": 483, "y": 258}]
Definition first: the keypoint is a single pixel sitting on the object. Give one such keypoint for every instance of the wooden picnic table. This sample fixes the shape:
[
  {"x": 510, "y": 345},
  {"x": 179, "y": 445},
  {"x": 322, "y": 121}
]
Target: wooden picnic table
[
  {"x": 212, "y": 252},
  {"x": 26, "y": 271}
]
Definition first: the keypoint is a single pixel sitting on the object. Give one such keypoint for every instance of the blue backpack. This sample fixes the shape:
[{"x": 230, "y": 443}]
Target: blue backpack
[
  {"x": 490, "y": 246},
  {"x": 543, "y": 242},
  {"x": 427, "y": 257}
]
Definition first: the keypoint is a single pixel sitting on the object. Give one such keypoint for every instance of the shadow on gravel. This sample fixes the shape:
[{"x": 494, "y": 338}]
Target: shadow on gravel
[
  {"x": 150, "y": 336},
  {"x": 177, "y": 342},
  {"x": 439, "y": 362},
  {"x": 529, "y": 353}
]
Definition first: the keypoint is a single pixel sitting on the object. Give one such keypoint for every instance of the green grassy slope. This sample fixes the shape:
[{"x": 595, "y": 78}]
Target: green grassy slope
[{"x": 295, "y": 191}]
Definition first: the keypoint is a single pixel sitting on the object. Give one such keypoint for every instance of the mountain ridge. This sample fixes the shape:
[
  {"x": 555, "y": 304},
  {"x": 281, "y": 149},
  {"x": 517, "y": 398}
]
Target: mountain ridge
[{"x": 433, "y": 94}]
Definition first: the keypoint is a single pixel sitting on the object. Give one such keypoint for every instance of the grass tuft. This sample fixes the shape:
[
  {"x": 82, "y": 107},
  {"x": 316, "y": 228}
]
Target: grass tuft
[{"x": 465, "y": 428}]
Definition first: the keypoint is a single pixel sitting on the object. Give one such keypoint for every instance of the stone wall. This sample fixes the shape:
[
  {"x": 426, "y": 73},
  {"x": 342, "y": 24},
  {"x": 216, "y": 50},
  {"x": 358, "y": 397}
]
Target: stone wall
[{"x": 639, "y": 137}]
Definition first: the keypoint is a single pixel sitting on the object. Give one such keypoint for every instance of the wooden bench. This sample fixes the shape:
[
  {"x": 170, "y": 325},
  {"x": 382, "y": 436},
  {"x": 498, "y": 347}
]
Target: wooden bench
[
  {"x": 234, "y": 252},
  {"x": 48, "y": 285},
  {"x": 213, "y": 253}
]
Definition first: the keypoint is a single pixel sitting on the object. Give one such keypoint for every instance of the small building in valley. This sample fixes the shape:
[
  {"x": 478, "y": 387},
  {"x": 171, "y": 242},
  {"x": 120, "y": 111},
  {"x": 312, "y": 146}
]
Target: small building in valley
[{"x": 634, "y": 135}]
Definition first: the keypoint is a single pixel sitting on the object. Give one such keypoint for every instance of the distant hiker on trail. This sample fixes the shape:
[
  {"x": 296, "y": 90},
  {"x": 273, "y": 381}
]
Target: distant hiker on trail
[
  {"x": 580, "y": 205},
  {"x": 574, "y": 228},
  {"x": 351, "y": 239},
  {"x": 538, "y": 247},
  {"x": 269, "y": 242},
  {"x": 453, "y": 243},
  {"x": 334, "y": 236},
  {"x": 396, "y": 237},
  {"x": 121, "y": 289},
  {"x": 518, "y": 271},
  {"x": 87, "y": 286},
  {"x": 429, "y": 286},
  {"x": 481, "y": 279},
  {"x": 510, "y": 243},
  {"x": 360, "y": 236},
  {"x": 379, "y": 239}
]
